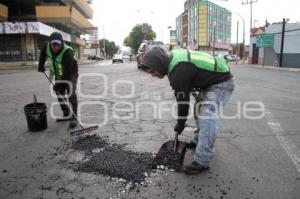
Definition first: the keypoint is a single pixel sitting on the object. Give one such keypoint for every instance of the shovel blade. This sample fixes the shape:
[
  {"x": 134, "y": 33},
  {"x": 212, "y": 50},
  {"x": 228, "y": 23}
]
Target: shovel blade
[{"x": 167, "y": 157}]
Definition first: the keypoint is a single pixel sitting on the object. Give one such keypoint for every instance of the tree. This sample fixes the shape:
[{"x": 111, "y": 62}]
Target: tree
[
  {"x": 241, "y": 52},
  {"x": 110, "y": 47},
  {"x": 138, "y": 34}
]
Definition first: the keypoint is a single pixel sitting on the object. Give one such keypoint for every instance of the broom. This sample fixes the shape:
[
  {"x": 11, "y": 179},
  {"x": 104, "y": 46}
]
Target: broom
[{"x": 82, "y": 130}]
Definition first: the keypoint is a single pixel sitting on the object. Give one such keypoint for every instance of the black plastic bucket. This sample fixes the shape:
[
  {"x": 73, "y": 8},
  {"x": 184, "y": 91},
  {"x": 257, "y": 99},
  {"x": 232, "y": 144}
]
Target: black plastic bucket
[{"x": 36, "y": 115}]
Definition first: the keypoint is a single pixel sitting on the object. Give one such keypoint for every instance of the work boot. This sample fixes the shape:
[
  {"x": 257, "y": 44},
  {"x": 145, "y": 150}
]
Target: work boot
[
  {"x": 73, "y": 123},
  {"x": 191, "y": 145},
  {"x": 194, "y": 168}
]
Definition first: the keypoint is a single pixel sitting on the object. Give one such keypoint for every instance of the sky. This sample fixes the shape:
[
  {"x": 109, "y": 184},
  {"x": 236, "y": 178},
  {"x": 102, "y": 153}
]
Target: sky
[{"x": 116, "y": 18}]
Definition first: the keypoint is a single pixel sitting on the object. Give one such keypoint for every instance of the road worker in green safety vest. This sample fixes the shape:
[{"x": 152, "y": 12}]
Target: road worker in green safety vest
[
  {"x": 210, "y": 81},
  {"x": 63, "y": 69}
]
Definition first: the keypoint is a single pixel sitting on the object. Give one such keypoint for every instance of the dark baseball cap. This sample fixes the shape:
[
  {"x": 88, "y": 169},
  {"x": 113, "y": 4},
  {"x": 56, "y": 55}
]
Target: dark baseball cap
[
  {"x": 56, "y": 41},
  {"x": 56, "y": 38}
]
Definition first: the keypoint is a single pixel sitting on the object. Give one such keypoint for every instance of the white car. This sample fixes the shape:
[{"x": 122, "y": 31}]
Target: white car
[
  {"x": 117, "y": 58},
  {"x": 232, "y": 58},
  {"x": 125, "y": 56}
]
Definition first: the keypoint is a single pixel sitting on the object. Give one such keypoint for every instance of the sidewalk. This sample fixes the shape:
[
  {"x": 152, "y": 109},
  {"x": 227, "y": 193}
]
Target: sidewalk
[
  {"x": 277, "y": 68},
  {"x": 18, "y": 65},
  {"x": 268, "y": 67},
  {"x": 32, "y": 64}
]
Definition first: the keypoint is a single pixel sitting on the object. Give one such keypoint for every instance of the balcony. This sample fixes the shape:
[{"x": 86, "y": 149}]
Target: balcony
[
  {"x": 82, "y": 6},
  {"x": 64, "y": 15},
  {"x": 3, "y": 12}
]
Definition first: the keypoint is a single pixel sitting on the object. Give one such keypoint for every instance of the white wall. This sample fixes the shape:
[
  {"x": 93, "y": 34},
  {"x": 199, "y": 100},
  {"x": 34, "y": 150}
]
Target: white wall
[{"x": 291, "y": 39}]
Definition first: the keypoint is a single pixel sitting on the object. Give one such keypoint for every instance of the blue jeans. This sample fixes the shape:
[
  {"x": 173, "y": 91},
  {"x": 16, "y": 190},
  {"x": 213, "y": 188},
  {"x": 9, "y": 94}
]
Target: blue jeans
[{"x": 206, "y": 115}]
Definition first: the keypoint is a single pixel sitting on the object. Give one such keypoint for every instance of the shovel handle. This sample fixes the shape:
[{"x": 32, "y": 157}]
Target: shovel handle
[
  {"x": 48, "y": 78},
  {"x": 175, "y": 142}
]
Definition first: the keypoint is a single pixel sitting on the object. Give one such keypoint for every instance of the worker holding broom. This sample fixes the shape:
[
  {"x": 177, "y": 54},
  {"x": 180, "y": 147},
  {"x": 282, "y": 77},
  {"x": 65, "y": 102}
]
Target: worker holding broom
[
  {"x": 188, "y": 70},
  {"x": 63, "y": 66}
]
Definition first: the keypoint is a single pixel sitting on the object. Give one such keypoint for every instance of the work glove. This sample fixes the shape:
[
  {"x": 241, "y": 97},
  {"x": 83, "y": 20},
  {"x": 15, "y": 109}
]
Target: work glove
[
  {"x": 58, "y": 87},
  {"x": 179, "y": 127}
]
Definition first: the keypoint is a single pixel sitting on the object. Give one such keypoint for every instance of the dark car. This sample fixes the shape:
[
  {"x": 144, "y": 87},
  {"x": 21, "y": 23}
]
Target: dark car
[
  {"x": 145, "y": 47},
  {"x": 95, "y": 57}
]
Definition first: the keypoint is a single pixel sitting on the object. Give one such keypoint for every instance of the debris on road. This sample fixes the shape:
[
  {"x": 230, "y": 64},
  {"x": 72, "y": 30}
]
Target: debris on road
[
  {"x": 115, "y": 161},
  {"x": 112, "y": 160},
  {"x": 169, "y": 159},
  {"x": 89, "y": 143}
]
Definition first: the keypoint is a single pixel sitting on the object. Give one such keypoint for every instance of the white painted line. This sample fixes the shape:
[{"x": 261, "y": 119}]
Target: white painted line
[{"x": 289, "y": 147}]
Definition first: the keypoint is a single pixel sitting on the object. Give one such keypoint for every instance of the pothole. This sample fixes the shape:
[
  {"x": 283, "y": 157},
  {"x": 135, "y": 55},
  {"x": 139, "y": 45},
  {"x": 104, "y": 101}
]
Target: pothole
[{"x": 116, "y": 162}]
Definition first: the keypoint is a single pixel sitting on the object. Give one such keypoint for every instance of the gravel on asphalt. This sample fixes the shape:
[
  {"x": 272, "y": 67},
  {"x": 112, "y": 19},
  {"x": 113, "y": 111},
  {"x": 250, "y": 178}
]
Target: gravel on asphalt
[
  {"x": 115, "y": 161},
  {"x": 169, "y": 159}
]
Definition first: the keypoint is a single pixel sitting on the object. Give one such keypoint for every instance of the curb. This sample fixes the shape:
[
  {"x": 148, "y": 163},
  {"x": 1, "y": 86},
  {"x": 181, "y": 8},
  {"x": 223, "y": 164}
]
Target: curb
[
  {"x": 26, "y": 67},
  {"x": 32, "y": 66},
  {"x": 271, "y": 67},
  {"x": 277, "y": 68},
  {"x": 88, "y": 63}
]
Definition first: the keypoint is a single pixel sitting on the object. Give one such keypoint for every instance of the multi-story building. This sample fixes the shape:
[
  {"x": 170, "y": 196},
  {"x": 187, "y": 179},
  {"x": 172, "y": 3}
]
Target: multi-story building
[
  {"x": 25, "y": 25},
  {"x": 204, "y": 25}
]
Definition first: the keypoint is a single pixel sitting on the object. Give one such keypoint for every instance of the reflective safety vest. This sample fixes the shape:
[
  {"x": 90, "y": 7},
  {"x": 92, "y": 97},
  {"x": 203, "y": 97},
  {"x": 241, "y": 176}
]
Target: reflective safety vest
[
  {"x": 201, "y": 60},
  {"x": 55, "y": 65}
]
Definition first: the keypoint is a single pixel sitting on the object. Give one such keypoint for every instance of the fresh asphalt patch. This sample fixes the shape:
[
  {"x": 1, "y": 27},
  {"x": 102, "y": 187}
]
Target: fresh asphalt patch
[
  {"x": 169, "y": 159},
  {"x": 113, "y": 160}
]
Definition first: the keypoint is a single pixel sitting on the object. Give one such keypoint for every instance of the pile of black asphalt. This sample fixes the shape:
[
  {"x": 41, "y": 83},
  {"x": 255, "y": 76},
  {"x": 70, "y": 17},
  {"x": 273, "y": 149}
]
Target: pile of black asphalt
[
  {"x": 115, "y": 161},
  {"x": 168, "y": 159}
]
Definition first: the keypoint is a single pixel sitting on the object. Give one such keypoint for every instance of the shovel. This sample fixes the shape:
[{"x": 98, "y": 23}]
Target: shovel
[{"x": 171, "y": 154}]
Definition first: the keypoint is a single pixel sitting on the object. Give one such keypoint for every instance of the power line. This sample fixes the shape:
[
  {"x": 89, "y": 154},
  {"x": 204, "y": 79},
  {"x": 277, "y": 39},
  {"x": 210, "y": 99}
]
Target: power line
[
  {"x": 287, "y": 31},
  {"x": 275, "y": 33},
  {"x": 244, "y": 2}
]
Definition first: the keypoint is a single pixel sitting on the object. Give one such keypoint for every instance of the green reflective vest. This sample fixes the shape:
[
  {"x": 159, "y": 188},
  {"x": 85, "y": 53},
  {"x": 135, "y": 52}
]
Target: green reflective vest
[
  {"x": 201, "y": 60},
  {"x": 55, "y": 65}
]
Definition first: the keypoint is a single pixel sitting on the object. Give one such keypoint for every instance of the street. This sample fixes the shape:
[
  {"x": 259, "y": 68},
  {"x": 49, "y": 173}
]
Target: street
[{"x": 257, "y": 150}]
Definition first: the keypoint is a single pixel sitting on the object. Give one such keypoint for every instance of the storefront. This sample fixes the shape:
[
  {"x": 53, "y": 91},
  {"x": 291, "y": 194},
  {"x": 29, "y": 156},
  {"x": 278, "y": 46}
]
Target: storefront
[{"x": 22, "y": 41}]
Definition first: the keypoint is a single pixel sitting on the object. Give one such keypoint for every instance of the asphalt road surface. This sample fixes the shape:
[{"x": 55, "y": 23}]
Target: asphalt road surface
[{"x": 257, "y": 150}]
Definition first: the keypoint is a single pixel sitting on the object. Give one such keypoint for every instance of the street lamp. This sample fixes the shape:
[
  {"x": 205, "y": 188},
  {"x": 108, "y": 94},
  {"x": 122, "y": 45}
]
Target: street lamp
[
  {"x": 214, "y": 37},
  {"x": 243, "y": 30}
]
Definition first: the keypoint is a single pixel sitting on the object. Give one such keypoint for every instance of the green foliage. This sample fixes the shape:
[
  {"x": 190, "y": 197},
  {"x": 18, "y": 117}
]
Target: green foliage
[
  {"x": 137, "y": 36},
  {"x": 110, "y": 47},
  {"x": 241, "y": 48}
]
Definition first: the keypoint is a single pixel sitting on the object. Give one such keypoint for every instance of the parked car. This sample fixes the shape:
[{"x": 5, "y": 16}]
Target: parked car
[
  {"x": 95, "y": 57},
  {"x": 145, "y": 47},
  {"x": 125, "y": 57},
  {"x": 232, "y": 58},
  {"x": 117, "y": 58}
]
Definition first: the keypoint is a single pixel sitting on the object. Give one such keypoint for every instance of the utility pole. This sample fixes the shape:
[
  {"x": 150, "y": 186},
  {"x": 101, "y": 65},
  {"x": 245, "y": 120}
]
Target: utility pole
[
  {"x": 243, "y": 32},
  {"x": 104, "y": 53},
  {"x": 214, "y": 41},
  {"x": 249, "y": 2},
  {"x": 282, "y": 42},
  {"x": 237, "y": 38}
]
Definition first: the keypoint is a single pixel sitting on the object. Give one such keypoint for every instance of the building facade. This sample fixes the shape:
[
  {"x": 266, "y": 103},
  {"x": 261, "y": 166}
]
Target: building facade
[
  {"x": 270, "y": 55},
  {"x": 25, "y": 25},
  {"x": 208, "y": 25}
]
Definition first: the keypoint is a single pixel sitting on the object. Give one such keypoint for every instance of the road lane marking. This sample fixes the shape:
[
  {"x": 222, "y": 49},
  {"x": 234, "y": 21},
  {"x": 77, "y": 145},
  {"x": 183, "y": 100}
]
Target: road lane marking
[{"x": 289, "y": 147}]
